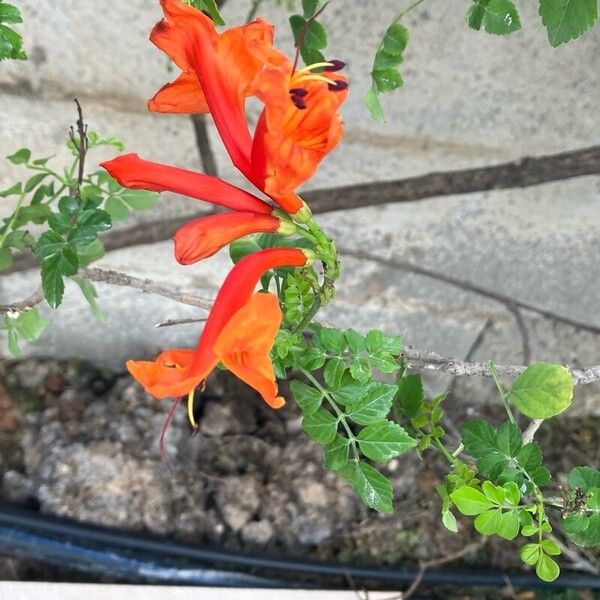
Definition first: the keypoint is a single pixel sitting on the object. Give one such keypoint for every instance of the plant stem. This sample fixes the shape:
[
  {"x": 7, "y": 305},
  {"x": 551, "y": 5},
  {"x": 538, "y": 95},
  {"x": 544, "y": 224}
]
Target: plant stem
[
  {"x": 407, "y": 10},
  {"x": 340, "y": 414},
  {"x": 501, "y": 392},
  {"x": 451, "y": 459},
  {"x": 13, "y": 218}
]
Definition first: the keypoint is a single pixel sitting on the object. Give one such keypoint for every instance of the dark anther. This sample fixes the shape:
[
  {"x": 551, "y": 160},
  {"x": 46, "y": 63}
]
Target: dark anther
[
  {"x": 338, "y": 86},
  {"x": 298, "y": 102},
  {"x": 298, "y": 92},
  {"x": 335, "y": 65}
]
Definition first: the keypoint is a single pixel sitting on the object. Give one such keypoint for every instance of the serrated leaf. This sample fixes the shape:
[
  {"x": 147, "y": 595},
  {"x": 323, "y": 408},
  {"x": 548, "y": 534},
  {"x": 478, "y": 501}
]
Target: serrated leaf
[
  {"x": 567, "y": 19},
  {"x": 89, "y": 293},
  {"x": 321, "y": 426},
  {"x": 360, "y": 369},
  {"x": 336, "y": 453},
  {"x": 470, "y": 501},
  {"x": 585, "y": 478},
  {"x": 59, "y": 223},
  {"x": 97, "y": 219},
  {"x": 542, "y": 391},
  {"x": 31, "y": 325},
  {"x": 373, "y": 488},
  {"x": 498, "y": 17},
  {"x": 89, "y": 254},
  {"x": 384, "y": 440},
  {"x": 311, "y": 359},
  {"x": 410, "y": 395},
  {"x": 356, "y": 342},
  {"x": 68, "y": 206},
  {"x": 332, "y": 340},
  {"x": 9, "y": 13},
  {"x": 49, "y": 244},
  {"x": 37, "y": 214},
  {"x": 384, "y": 362},
  {"x": 377, "y": 341},
  {"x": 333, "y": 372},
  {"x": 529, "y": 459},
  {"x": 63, "y": 263},
  {"x": 374, "y": 406},
  {"x": 306, "y": 397}
]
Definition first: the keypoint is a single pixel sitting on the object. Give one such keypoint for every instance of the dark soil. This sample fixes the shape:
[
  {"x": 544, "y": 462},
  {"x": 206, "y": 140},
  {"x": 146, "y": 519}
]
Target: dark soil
[{"x": 81, "y": 443}]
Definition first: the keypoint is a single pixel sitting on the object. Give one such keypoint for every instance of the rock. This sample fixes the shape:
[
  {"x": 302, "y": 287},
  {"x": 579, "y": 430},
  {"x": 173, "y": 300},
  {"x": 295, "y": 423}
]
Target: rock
[
  {"x": 313, "y": 493},
  {"x": 16, "y": 487},
  {"x": 238, "y": 500},
  {"x": 257, "y": 533}
]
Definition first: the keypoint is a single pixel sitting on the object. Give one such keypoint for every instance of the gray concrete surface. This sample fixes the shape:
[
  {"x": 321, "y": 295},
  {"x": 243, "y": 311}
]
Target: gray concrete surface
[{"x": 469, "y": 99}]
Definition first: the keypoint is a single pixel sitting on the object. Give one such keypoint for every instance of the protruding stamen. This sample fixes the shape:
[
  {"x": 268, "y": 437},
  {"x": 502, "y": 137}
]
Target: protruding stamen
[
  {"x": 335, "y": 65},
  {"x": 190, "y": 409},
  {"x": 338, "y": 86},
  {"x": 298, "y": 92}
]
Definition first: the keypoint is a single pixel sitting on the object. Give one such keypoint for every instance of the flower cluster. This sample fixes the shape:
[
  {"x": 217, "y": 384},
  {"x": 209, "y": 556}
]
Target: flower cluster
[{"x": 298, "y": 126}]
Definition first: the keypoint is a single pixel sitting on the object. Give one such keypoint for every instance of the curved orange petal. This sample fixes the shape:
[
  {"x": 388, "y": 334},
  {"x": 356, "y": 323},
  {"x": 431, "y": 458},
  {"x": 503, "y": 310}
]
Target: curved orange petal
[
  {"x": 245, "y": 343},
  {"x": 168, "y": 374},
  {"x": 184, "y": 95},
  {"x": 203, "y": 237},
  {"x": 290, "y": 142},
  {"x": 133, "y": 172}
]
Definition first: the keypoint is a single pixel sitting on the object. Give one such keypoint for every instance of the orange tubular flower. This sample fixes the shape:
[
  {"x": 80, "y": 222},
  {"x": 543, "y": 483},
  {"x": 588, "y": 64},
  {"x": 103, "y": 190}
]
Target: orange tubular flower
[
  {"x": 299, "y": 124},
  {"x": 203, "y": 237},
  {"x": 133, "y": 172},
  {"x": 239, "y": 332}
]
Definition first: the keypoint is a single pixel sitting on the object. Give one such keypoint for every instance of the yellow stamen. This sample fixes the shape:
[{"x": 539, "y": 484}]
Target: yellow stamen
[
  {"x": 190, "y": 408},
  {"x": 314, "y": 66},
  {"x": 310, "y": 77}
]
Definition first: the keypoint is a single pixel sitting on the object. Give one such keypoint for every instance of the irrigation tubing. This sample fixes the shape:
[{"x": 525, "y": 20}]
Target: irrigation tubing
[{"x": 81, "y": 546}]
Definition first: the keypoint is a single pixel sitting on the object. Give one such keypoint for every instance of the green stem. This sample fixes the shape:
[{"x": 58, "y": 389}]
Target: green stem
[
  {"x": 407, "y": 10},
  {"x": 13, "y": 218},
  {"x": 50, "y": 172},
  {"x": 339, "y": 413},
  {"x": 451, "y": 459},
  {"x": 501, "y": 392}
]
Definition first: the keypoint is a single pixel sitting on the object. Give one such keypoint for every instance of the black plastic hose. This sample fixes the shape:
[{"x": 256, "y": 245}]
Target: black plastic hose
[{"x": 151, "y": 558}]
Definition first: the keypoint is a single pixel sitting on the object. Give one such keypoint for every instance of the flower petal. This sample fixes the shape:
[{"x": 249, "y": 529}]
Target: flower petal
[
  {"x": 245, "y": 343},
  {"x": 184, "y": 95},
  {"x": 131, "y": 171},
  {"x": 203, "y": 237}
]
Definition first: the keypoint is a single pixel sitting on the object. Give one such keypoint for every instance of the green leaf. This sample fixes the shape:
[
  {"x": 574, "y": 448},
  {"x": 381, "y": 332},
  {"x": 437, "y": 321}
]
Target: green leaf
[
  {"x": 20, "y": 157},
  {"x": 360, "y": 369},
  {"x": 498, "y": 17},
  {"x": 315, "y": 36},
  {"x": 49, "y": 244},
  {"x": 82, "y": 235},
  {"x": 9, "y": 13},
  {"x": 387, "y": 80},
  {"x": 19, "y": 239},
  {"x": 332, "y": 340},
  {"x": 585, "y": 478},
  {"x": 306, "y": 397},
  {"x": 321, "y": 426},
  {"x": 311, "y": 359},
  {"x": 567, "y": 19},
  {"x": 356, "y": 342},
  {"x": 377, "y": 341},
  {"x": 210, "y": 8},
  {"x": 5, "y": 258},
  {"x": 11, "y": 44},
  {"x": 373, "y": 104},
  {"x": 410, "y": 395},
  {"x": 31, "y": 325},
  {"x": 546, "y": 568},
  {"x": 574, "y": 524},
  {"x": 384, "y": 362},
  {"x": 336, "y": 453},
  {"x": 14, "y": 190},
  {"x": 116, "y": 208},
  {"x": 349, "y": 394},
  {"x": 333, "y": 372},
  {"x": 90, "y": 294},
  {"x": 375, "y": 405},
  {"x": 310, "y": 7},
  {"x": 13, "y": 341},
  {"x": 68, "y": 206},
  {"x": 373, "y": 488},
  {"x": 488, "y": 522},
  {"x": 97, "y": 219},
  {"x": 54, "y": 267},
  {"x": 530, "y": 553},
  {"x": 37, "y": 214},
  {"x": 542, "y": 391},
  {"x": 139, "y": 199},
  {"x": 470, "y": 501},
  {"x": 495, "y": 494},
  {"x": 449, "y": 521},
  {"x": 89, "y": 254},
  {"x": 384, "y": 440},
  {"x": 529, "y": 459},
  {"x": 34, "y": 181},
  {"x": 550, "y": 547},
  {"x": 59, "y": 223}
]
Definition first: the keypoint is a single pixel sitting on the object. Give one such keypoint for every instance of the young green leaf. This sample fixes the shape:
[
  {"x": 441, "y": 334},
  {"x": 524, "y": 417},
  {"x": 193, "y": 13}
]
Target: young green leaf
[
  {"x": 90, "y": 294},
  {"x": 333, "y": 372},
  {"x": 546, "y": 568},
  {"x": 470, "y": 501},
  {"x": 498, "y": 17},
  {"x": 567, "y": 19},
  {"x": 542, "y": 390},
  {"x": 377, "y": 341},
  {"x": 410, "y": 395},
  {"x": 384, "y": 440},
  {"x": 360, "y": 369},
  {"x": 139, "y": 199},
  {"x": 210, "y": 8},
  {"x": 31, "y": 325},
  {"x": 116, "y": 208},
  {"x": 530, "y": 553},
  {"x": 332, "y": 340},
  {"x": 63, "y": 263},
  {"x": 20, "y": 157}
]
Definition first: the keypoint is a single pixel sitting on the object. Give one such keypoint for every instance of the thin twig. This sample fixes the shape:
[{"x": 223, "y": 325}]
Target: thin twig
[
  {"x": 21, "y": 305},
  {"x": 82, "y": 144},
  {"x": 531, "y": 430},
  {"x": 171, "y": 322}
]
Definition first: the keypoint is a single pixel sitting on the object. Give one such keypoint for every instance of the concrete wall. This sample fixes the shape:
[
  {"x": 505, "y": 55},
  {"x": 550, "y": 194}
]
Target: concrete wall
[{"x": 470, "y": 99}]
